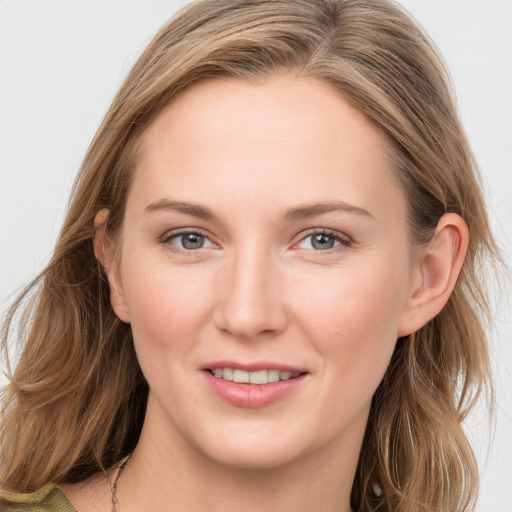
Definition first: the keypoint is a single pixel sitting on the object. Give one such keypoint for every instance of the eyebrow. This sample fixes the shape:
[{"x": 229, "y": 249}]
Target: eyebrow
[
  {"x": 187, "y": 208},
  {"x": 311, "y": 210},
  {"x": 297, "y": 213}
]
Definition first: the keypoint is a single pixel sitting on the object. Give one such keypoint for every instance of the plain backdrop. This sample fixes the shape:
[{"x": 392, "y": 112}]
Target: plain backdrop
[{"x": 61, "y": 63}]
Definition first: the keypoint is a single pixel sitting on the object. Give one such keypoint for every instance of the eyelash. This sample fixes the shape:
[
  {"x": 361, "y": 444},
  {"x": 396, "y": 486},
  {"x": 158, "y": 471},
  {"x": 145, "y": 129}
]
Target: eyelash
[
  {"x": 344, "y": 240},
  {"x": 166, "y": 240}
]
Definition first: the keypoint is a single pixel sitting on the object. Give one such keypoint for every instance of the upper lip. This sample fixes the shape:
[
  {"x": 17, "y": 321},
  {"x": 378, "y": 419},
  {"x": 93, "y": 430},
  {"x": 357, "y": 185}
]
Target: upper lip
[{"x": 254, "y": 366}]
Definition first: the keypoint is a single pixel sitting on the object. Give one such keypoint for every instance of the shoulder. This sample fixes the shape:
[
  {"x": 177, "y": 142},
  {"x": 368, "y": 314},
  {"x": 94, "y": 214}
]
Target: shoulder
[{"x": 48, "y": 499}]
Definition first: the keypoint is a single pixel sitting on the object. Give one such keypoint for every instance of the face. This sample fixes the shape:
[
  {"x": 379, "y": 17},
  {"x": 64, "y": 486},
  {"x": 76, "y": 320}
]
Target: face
[{"x": 264, "y": 241}]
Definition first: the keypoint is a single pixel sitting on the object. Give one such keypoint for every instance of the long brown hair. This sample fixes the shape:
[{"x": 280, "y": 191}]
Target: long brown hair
[{"x": 76, "y": 400}]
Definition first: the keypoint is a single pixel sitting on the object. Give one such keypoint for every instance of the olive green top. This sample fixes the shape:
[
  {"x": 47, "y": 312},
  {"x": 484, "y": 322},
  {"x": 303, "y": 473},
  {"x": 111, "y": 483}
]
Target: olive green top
[{"x": 48, "y": 499}]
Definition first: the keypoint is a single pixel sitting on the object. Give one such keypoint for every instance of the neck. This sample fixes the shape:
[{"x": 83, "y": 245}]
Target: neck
[
  {"x": 224, "y": 489},
  {"x": 175, "y": 476}
]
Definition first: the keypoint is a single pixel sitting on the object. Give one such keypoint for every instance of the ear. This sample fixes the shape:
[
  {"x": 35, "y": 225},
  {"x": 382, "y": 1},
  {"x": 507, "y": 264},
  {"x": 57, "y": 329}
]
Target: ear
[
  {"x": 436, "y": 273},
  {"x": 105, "y": 252}
]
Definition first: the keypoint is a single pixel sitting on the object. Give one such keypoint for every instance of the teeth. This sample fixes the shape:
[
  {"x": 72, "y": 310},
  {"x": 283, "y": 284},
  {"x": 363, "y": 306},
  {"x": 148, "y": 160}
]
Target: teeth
[
  {"x": 241, "y": 376},
  {"x": 227, "y": 373},
  {"x": 273, "y": 376},
  {"x": 257, "y": 377},
  {"x": 260, "y": 377}
]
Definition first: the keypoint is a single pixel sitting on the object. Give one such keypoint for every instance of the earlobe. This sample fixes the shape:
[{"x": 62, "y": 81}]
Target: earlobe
[
  {"x": 437, "y": 271},
  {"x": 105, "y": 252}
]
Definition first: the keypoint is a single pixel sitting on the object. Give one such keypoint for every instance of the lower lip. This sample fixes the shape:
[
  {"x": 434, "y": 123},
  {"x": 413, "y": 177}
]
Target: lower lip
[{"x": 252, "y": 395}]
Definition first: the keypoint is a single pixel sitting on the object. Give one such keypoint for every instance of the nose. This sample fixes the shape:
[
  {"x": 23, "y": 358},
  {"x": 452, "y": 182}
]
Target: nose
[{"x": 250, "y": 296}]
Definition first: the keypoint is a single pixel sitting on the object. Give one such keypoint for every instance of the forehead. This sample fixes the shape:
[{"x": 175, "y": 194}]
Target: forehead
[{"x": 287, "y": 140}]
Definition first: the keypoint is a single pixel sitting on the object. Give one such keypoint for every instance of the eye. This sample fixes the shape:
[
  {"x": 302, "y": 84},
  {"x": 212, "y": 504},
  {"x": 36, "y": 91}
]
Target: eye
[
  {"x": 323, "y": 240},
  {"x": 187, "y": 241}
]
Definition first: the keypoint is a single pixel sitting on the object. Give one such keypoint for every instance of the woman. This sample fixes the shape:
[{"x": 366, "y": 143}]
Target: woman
[{"x": 264, "y": 293}]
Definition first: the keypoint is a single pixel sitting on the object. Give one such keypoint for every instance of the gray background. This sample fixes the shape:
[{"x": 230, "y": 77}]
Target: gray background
[{"x": 61, "y": 63}]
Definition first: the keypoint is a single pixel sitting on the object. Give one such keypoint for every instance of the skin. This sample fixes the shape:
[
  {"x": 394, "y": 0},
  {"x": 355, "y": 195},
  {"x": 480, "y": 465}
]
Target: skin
[{"x": 260, "y": 290}]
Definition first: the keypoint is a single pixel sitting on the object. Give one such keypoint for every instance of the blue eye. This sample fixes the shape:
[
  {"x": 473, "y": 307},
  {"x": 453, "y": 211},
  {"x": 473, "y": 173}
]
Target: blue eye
[
  {"x": 324, "y": 240},
  {"x": 188, "y": 241},
  {"x": 321, "y": 241},
  {"x": 191, "y": 241},
  {"x": 318, "y": 241}
]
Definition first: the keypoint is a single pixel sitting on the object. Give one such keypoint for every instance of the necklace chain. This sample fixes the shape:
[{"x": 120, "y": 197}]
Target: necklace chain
[{"x": 113, "y": 488}]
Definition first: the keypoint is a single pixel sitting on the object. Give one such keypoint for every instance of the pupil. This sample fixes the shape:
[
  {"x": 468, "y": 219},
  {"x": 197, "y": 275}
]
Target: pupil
[
  {"x": 322, "y": 241},
  {"x": 192, "y": 241}
]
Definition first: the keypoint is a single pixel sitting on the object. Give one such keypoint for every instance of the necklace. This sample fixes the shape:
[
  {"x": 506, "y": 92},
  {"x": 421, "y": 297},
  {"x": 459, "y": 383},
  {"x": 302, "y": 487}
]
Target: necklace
[{"x": 113, "y": 487}]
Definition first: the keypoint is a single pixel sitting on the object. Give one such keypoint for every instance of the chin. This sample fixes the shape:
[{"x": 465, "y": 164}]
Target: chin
[
  {"x": 264, "y": 448},
  {"x": 252, "y": 450},
  {"x": 253, "y": 457}
]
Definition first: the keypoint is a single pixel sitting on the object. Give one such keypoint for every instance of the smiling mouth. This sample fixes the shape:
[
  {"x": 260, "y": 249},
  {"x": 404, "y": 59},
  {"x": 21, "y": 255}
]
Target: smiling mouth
[{"x": 256, "y": 377}]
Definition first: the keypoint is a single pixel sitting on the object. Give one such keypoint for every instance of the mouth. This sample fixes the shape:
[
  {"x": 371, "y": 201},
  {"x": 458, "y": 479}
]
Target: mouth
[
  {"x": 253, "y": 377},
  {"x": 254, "y": 384},
  {"x": 257, "y": 385}
]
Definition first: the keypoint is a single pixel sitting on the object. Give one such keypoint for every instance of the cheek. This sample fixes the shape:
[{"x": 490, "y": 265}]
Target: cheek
[
  {"x": 167, "y": 305},
  {"x": 353, "y": 318}
]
